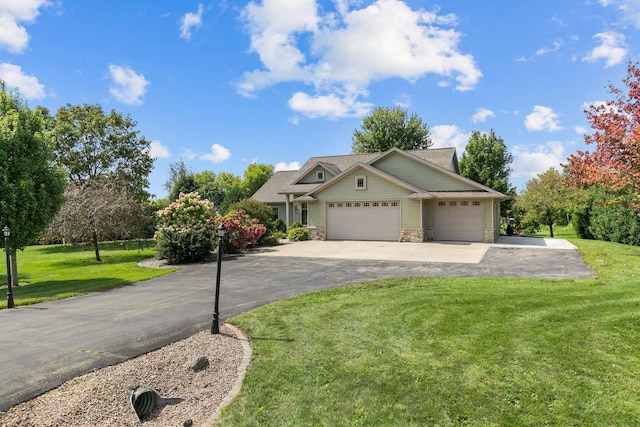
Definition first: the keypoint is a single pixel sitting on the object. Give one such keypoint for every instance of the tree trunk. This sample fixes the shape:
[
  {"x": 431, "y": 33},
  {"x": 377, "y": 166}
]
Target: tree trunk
[
  {"x": 551, "y": 230},
  {"x": 14, "y": 269},
  {"x": 95, "y": 246}
]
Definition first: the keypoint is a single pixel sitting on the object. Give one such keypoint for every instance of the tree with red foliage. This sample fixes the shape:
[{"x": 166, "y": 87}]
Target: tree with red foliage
[{"x": 615, "y": 163}]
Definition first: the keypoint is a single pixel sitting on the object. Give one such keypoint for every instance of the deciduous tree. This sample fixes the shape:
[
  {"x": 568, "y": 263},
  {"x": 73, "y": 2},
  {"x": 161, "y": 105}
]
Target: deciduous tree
[
  {"x": 93, "y": 145},
  {"x": 547, "y": 199},
  {"x": 31, "y": 185},
  {"x": 255, "y": 176},
  {"x": 386, "y": 128},
  {"x": 615, "y": 162},
  {"x": 94, "y": 212},
  {"x": 487, "y": 160}
]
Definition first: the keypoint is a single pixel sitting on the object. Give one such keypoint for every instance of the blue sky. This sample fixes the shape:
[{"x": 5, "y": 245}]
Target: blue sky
[{"x": 223, "y": 84}]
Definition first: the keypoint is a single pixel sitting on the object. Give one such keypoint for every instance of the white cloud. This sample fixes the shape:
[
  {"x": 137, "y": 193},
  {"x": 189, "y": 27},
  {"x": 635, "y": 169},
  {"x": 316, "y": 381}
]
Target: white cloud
[
  {"x": 330, "y": 106},
  {"x": 542, "y": 118},
  {"x": 188, "y": 154},
  {"x": 158, "y": 151},
  {"x": 630, "y": 10},
  {"x": 403, "y": 101},
  {"x": 482, "y": 114},
  {"x": 28, "y": 86},
  {"x": 612, "y": 49},
  {"x": 528, "y": 163},
  {"x": 189, "y": 21},
  {"x": 13, "y": 36},
  {"x": 557, "y": 44},
  {"x": 284, "y": 166},
  {"x": 449, "y": 136},
  {"x": 341, "y": 53},
  {"x": 580, "y": 130},
  {"x": 218, "y": 154},
  {"x": 128, "y": 86}
]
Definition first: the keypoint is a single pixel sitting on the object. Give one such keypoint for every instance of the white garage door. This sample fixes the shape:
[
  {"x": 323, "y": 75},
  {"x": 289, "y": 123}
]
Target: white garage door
[
  {"x": 460, "y": 220},
  {"x": 363, "y": 220}
]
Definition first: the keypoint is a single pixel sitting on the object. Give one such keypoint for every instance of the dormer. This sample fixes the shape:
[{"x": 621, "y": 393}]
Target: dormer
[{"x": 318, "y": 174}]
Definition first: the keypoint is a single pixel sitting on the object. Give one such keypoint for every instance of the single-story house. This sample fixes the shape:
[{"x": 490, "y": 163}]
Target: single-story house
[{"x": 406, "y": 196}]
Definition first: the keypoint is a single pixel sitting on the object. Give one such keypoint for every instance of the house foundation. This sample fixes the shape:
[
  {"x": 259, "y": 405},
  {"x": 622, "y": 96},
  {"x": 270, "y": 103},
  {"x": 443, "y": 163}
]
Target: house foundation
[{"x": 413, "y": 235}]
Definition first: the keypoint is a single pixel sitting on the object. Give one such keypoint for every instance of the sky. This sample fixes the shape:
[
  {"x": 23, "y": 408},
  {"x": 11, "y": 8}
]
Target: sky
[{"x": 223, "y": 84}]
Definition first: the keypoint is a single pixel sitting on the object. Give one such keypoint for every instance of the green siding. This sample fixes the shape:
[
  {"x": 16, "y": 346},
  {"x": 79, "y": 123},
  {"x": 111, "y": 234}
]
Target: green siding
[
  {"x": 418, "y": 174},
  {"x": 411, "y": 213},
  {"x": 488, "y": 211},
  {"x": 378, "y": 189},
  {"x": 316, "y": 213}
]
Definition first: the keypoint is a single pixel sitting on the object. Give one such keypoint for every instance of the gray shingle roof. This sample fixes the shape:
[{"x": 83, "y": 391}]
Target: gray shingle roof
[
  {"x": 283, "y": 182},
  {"x": 268, "y": 193}
]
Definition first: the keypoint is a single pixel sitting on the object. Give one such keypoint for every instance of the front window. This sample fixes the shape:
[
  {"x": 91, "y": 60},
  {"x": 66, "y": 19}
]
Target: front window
[
  {"x": 361, "y": 182},
  {"x": 303, "y": 214},
  {"x": 274, "y": 213}
]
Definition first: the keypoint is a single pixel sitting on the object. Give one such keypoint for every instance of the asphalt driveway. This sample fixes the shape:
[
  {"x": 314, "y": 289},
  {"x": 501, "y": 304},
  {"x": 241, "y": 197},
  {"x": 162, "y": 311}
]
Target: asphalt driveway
[{"x": 46, "y": 344}]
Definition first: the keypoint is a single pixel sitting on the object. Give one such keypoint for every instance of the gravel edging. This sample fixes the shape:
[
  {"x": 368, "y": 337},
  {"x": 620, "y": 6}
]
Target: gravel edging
[{"x": 102, "y": 397}]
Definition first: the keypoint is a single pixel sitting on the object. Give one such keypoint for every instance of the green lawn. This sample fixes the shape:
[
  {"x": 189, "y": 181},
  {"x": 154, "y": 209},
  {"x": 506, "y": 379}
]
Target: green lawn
[
  {"x": 56, "y": 271},
  {"x": 432, "y": 351}
]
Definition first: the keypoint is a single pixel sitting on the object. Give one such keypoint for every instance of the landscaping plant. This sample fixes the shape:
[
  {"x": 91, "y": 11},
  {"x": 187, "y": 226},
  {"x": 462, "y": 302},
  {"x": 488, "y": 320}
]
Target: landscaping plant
[
  {"x": 186, "y": 232},
  {"x": 242, "y": 231}
]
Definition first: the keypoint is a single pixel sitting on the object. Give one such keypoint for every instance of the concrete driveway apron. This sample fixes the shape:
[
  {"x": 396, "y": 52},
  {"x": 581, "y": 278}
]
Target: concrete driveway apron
[{"x": 46, "y": 344}]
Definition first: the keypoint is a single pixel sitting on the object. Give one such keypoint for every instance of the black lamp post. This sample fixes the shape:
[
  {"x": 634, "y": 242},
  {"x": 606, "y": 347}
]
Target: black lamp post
[
  {"x": 7, "y": 249},
  {"x": 215, "y": 325}
]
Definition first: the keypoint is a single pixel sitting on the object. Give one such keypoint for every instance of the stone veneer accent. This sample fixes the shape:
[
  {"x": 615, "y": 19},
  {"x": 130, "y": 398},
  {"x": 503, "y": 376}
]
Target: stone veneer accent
[
  {"x": 316, "y": 233},
  {"x": 489, "y": 235},
  {"x": 414, "y": 235}
]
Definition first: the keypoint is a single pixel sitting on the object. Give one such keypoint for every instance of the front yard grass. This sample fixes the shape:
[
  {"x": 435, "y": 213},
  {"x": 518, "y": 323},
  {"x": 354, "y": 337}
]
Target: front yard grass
[
  {"x": 55, "y": 272},
  {"x": 433, "y": 351}
]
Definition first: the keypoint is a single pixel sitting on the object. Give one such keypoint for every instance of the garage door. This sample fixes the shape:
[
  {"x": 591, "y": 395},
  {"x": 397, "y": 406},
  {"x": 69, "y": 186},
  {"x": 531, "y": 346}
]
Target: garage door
[
  {"x": 363, "y": 220},
  {"x": 460, "y": 220}
]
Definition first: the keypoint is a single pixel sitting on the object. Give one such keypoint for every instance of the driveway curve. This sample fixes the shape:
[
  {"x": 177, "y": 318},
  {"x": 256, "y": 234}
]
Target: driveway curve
[{"x": 46, "y": 344}]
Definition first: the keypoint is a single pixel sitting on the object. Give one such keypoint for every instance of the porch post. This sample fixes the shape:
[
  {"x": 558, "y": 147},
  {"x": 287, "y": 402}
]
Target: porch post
[{"x": 287, "y": 208}]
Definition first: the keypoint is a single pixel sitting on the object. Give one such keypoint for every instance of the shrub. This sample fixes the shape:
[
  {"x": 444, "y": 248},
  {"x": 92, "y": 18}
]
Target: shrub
[
  {"x": 242, "y": 231},
  {"x": 297, "y": 234},
  {"x": 280, "y": 225},
  {"x": 185, "y": 233},
  {"x": 183, "y": 246},
  {"x": 255, "y": 209},
  {"x": 295, "y": 225}
]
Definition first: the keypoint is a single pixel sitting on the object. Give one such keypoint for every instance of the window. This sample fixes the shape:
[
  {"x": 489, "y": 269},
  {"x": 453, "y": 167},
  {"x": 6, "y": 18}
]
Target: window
[
  {"x": 357, "y": 205},
  {"x": 453, "y": 203},
  {"x": 332, "y": 205},
  {"x": 394, "y": 204},
  {"x": 319, "y": 175},
  {"x": 303, "y": 214},
  {"x": 361, "y": 182},
  {"x": 464, "y": 203},
  {"x": 476, "y": 203},
  {"x": 274, "y": 212},
  {"x": 442, "y": 204},
  {"x": 339, "y": 205},
  {"x": 365, "y": 204},
  {"x": 375, "y": 204},
  {"x": 385, "y": 204},
  {"x": 348, "y": 205}
]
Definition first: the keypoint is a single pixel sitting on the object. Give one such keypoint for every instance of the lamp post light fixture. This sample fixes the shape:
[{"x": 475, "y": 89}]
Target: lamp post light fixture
[
  {"x": 215, "y": 325},
  {"x": 7, "y": 249}
]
